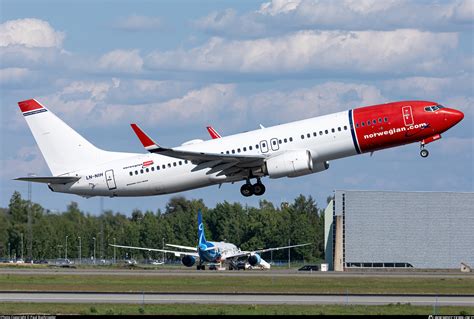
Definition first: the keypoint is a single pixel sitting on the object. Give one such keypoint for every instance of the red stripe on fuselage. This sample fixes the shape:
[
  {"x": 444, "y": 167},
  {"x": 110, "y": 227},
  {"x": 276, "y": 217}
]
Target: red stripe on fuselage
[
  {"x": 392, "y": 124},
  {"x": 29, "y": 105}
]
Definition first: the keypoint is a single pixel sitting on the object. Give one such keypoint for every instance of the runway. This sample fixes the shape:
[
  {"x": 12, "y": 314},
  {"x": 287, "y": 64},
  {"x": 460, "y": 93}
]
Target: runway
[
  {"x": 293, "y": 299},
  {"x": 258, "y": 273}
]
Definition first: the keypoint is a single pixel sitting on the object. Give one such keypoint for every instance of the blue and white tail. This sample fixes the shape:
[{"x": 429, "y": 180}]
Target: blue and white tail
[
  {"x": 201, "y": 235},
  {"x": 63, "y": 149}
]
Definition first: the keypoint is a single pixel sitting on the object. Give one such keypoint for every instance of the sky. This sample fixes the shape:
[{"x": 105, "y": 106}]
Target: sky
[{"x": 175, "y": 67}]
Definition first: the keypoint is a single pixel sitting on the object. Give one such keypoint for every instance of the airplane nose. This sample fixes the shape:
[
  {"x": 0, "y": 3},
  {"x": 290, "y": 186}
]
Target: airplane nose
[{"x": 454, "y": 116}]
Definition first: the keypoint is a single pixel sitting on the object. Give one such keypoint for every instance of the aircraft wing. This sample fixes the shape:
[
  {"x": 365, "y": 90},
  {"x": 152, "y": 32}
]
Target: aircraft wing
[
  {"x": 249, "y": 253},
  {"x": 223, "y": 164},
  {"x": 182, "y": 247},
  {"x": 176, "y": 253}
]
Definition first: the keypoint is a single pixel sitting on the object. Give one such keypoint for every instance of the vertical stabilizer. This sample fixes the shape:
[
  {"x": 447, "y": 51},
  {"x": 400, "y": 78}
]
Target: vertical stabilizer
[
  {"x": 63, "y": 149},
  {"x": 201, "y": 235}
]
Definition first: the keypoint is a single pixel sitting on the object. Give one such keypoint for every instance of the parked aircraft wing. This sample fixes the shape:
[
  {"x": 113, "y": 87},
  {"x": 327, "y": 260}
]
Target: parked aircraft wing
[
  {"x": 223, "y": 164},
  {"x": 49, "y": 179},
  {"x": 249, "y": 253},
  {"x": 182, "y": 247},
  {"x": 176, "y": 253}
]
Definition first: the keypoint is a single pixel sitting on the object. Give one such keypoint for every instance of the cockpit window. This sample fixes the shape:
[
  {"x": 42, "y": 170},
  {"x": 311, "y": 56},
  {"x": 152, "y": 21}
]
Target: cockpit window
[{"x": 433, "y": 108}]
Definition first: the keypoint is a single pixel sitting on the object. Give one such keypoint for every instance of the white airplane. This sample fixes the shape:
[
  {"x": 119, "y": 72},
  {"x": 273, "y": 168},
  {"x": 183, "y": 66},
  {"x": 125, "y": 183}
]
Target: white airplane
[
  {"x": 214, "y": 252},
  {"x": 287, "y": 150}
]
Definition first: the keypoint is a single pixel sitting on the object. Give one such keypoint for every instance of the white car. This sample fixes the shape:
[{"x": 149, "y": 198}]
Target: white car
[{"x": 20, "y": 261}]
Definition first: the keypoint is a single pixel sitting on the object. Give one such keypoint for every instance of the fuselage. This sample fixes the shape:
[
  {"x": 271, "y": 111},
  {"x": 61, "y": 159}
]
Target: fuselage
[{"x": 327, "y": 138}]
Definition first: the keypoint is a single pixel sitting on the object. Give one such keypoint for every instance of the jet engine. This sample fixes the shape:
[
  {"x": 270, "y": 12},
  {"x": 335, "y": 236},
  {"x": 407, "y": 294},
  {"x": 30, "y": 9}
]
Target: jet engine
[
  {"x": 188, "y": 261},
  {"x": 293, "y": 164},
  {"x": 255, "y": 260}
]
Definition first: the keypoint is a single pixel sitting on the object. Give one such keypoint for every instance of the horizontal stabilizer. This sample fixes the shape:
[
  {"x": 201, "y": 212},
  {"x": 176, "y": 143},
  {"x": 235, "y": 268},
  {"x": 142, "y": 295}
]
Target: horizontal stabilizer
[{"x": 49, "y": 179}]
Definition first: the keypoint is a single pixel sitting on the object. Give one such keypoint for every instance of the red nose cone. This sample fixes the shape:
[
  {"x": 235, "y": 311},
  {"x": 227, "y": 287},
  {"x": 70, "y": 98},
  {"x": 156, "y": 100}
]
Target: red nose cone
[{"x": 454, "y": 116}]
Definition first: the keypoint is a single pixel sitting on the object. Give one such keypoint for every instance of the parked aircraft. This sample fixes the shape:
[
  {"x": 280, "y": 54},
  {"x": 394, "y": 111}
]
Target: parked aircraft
[
  {"x": 214, "y": 252},
  {"x": 288, "y": 150}
]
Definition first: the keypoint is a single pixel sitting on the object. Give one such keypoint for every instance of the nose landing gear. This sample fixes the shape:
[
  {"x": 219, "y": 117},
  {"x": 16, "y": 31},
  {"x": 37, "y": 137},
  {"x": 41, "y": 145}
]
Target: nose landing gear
[
  {"x": 423, "y": 152},
  {"x": 248, "y": 189}
]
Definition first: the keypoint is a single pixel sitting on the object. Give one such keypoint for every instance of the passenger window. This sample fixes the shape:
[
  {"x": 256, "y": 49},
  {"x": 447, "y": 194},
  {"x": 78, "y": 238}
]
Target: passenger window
[
  {"x": 363, "y": 124},
  {"x": 136, "y": 172},
  {"x": 245, "y": 149},
  {"x": 169, "y": 164},
  {"x": 315, "y": 134},
  {"x": 380, "y": 120},
  {"x": 357, "y": 124},
  {"x": 320, "y": 132},
  {"x": 285, "y": 140},
  {"x": 227, "y": 152},
  {"x": 333, "y": 130},
  {"x": 256, "y": 146},
  {"x": 326, "y": 131},
  {"x": 158, "y": 168},
  {"x": 280, "y": 141},
  {"x": 141, "y": 171},
  {"x": 174, "y": 164},
  {"x": 345, "y": 127},
  {"x": 186, "y": 162},
  {"x": 153, "y": 168},
  {"x": 302, "y": 136},
  {"x": 131, "y": 173},
  {"x": 181, "y": 163},
  {"x": 163, "y": 166},
  {"x": 250, "y": 147},
  {"x": 385, "y": 119},
  {"x": 147, "y": 170},
  {"x": 291, "y": 139},
  {"x": 238, "y": 150},
  {"x": 374, "y": 122},
  {"x": 308, "y": 135},
  {"x": 339, "y": 129},
  {"x": 233, "y": 151},
  {"x": 264, "y": 145},
  {"x": 274, "y": 142},
  {"x": 368, "y": 123}
]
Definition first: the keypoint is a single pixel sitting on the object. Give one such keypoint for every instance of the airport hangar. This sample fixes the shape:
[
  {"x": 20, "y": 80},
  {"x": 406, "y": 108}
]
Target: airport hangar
[{"x": 385, "y": 229}]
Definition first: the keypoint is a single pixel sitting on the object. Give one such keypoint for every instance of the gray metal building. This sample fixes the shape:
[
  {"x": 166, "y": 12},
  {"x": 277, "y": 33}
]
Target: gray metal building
[{"x": 399, "y": 229}]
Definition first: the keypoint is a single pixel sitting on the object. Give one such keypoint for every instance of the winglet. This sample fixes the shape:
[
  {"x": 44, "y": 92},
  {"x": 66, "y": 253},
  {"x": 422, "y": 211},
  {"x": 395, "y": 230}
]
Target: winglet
[
  {"x": 147, "y": 142},
  {"x": 213, "y": 132}
]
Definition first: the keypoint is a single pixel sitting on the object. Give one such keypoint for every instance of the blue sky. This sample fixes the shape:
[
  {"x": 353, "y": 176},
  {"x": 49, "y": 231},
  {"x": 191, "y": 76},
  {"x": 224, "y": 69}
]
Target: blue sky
[{"x": 177, "y": 66}]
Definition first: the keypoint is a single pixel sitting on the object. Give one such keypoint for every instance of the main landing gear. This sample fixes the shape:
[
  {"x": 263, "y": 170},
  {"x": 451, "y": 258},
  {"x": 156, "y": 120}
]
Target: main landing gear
[
  {"x": 423, "y": 152},
  {"x": 256, "y": 189}
]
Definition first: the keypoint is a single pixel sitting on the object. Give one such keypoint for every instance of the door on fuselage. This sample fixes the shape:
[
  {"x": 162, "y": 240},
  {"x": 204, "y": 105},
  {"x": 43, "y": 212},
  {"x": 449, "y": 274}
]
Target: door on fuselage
[
  {"x": 109, "y": 177},
  {"x": 263, "y": 146}
]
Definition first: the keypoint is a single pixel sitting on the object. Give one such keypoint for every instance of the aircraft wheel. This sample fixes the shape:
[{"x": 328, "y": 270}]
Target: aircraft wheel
[
  {"x": 258, "y": 189},
  {"x": 246, "y": 190},
  {"x": 424, "y": 153}
]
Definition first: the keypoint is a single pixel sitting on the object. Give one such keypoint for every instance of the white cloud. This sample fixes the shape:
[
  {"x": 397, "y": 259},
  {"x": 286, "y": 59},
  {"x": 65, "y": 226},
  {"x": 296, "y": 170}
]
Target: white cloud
[
  {"x": 27, "y": 159},
  {"x": 13, "y": 75},
  {"x": 126, "y": 61},
  {"x": 139, "y": 23},
  {"x": 279, "y": 16},
  {"x": 399, "y": 51},
  {"x": 321, "y": 99},
  {"x": 31, "y": 33}
]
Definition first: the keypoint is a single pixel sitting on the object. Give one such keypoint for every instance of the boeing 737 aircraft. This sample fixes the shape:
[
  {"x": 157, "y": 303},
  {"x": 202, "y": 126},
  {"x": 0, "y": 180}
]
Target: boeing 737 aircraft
[
  {"x": 214, "y": 252},
  {"x": 288, "y": 150}
]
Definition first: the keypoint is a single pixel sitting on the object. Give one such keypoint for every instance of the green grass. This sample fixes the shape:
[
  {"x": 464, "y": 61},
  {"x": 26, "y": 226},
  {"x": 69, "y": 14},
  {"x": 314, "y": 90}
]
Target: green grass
[
  {"x": 195, "y": 309},
  {"x": 229, "y": 284}
]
